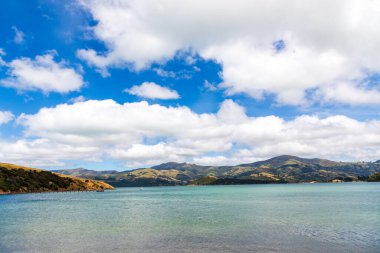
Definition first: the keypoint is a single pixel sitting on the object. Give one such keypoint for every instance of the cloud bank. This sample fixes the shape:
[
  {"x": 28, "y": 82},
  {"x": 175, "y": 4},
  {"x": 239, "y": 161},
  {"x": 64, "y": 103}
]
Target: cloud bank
[{"x": 143, "y": 134}]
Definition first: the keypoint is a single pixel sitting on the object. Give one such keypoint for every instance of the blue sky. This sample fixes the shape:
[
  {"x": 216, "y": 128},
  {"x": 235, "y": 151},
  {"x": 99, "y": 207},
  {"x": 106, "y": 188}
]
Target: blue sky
[{"x": 247, "y": 86}]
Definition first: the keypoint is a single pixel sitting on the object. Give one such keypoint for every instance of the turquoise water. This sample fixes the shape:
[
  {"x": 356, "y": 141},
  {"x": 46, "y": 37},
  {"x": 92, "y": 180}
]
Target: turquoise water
[{"x": 251, "y": 218}]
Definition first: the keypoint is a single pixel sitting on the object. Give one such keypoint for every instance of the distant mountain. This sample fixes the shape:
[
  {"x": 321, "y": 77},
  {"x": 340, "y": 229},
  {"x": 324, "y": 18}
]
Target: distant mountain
[
  {"x": 82, "y": 172},
  {"x": 280, "y": 169},
  {"x": 20, "y": 179},
  {"x": 288, "y": 159}
]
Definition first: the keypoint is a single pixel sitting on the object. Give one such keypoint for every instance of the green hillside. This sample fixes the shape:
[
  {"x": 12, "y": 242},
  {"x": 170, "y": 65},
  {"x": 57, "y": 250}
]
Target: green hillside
[
  {"x": 374, "y": 178},
  {"x": 20, "y": 179}
]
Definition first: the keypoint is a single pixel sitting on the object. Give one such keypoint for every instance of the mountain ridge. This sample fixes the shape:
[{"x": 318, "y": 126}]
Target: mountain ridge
[
  {"x": 283, "y": 158},
  {"x": 279, "y": 169}
]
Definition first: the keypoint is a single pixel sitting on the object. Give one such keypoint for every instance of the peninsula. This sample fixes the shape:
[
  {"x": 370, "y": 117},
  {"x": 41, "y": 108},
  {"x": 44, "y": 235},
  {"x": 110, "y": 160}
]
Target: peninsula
[{"x": 21, "y": 179}]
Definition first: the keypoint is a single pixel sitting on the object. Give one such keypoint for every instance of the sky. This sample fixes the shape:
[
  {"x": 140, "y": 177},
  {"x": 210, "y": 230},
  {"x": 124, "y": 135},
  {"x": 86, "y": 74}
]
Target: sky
[{"x": 116, "y": 84}]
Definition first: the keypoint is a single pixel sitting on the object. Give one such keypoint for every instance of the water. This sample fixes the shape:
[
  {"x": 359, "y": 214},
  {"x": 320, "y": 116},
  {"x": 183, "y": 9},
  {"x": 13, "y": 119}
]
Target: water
[{"x": 251, "y": 218}]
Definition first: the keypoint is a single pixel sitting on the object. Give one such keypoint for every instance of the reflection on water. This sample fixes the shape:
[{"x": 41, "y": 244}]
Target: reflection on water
[{"x": 250, "y": 218}]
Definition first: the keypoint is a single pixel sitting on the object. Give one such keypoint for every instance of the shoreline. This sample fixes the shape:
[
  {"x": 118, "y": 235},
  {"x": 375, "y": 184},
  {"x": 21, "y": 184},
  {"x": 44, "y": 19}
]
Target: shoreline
[{"x": 68, "y": 191}]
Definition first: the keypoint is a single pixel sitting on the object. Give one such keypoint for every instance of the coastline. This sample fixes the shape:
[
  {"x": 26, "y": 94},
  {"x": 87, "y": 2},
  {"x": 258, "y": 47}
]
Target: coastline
[{"x": 61, "y": 191}]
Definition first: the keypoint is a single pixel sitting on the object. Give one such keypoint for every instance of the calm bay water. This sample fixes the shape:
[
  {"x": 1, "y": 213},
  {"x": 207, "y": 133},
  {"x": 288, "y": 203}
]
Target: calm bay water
[{"x": 251, "y": 218}]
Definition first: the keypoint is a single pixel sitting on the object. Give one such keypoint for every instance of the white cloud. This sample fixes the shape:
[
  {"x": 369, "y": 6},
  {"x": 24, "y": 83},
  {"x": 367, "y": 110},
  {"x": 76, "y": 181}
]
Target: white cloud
[
  {"x": 93, "y": 59},
  {"x": 326, "y": 43},
  {"x": 19, "y": 35},
  {"x": 153, "y": 91},
  {"x": 42, "y": 73},
  {"x": 5, "y": 117},
  {"x": 142, "y": 134}
]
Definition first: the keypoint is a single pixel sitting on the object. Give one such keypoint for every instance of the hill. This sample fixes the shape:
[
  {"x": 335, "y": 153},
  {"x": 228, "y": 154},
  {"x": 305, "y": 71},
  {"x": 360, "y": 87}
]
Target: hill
[
  {"x": 280, "y": 169},
  {"x": 20, "y": 179}
]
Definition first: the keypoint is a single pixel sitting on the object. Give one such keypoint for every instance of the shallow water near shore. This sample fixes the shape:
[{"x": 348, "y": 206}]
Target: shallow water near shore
[{"x": 250, "y": 218}]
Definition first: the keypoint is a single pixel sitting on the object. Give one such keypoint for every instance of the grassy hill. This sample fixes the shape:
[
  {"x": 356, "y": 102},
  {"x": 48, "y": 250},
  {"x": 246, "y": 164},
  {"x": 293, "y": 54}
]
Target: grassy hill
[
  {"x": 20, "y": 179},
  {"x": 281, "y": 169}
]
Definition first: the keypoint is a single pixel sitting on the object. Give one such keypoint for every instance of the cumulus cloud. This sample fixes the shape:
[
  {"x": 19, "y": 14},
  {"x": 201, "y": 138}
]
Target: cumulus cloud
[
  {"x": 143, "y": 134},
  {"x": 93, "y": 59},
  {"x": 323, "y": 43},
  {"x": 288, "y": 74},
  {"x": 152, "y": 91},
  {"x": 5, "y": 117},
  {"x": 42, "y": 73}
]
